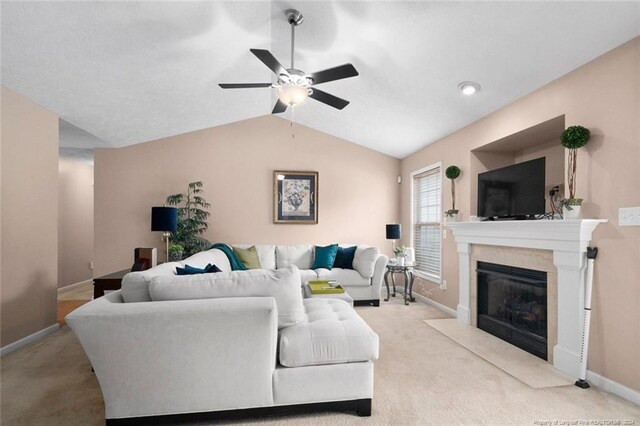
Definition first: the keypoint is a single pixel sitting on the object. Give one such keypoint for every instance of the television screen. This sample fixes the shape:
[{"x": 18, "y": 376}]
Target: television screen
[{"x": 513, "y": 191}]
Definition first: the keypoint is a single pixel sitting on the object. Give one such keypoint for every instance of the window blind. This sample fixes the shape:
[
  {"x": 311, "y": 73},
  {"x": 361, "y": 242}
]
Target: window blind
[{"x": 427, "y": 221}]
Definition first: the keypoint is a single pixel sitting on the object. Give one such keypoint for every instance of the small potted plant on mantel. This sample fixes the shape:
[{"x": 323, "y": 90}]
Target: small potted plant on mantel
[
  {"x": 452, "y": 172},
  {"x": 572, "y": 138},
  {"x": 175, "y": 252}
]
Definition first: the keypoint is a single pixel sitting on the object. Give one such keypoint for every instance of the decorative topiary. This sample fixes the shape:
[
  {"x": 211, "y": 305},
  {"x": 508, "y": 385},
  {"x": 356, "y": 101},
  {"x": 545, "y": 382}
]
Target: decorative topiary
[
  {"x": 573, "y": 138},
  {"x": 452, "y": 172}
]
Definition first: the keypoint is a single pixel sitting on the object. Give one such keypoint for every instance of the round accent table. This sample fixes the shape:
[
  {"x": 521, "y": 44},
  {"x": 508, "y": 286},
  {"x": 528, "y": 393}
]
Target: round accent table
[{"x": 407, "y": 271}]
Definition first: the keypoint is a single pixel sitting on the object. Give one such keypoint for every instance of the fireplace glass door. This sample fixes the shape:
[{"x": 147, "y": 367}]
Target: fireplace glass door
[{"x": 512, "y": 305}]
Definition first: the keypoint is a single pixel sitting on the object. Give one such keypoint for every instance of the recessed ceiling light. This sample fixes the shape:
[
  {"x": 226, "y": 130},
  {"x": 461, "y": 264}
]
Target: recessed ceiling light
[{"x": 469, "y": 87}]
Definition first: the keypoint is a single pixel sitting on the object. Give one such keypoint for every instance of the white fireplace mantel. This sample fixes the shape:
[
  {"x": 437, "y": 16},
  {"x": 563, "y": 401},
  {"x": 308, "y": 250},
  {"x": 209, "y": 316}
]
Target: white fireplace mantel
[{"x": 568, "y": 239}]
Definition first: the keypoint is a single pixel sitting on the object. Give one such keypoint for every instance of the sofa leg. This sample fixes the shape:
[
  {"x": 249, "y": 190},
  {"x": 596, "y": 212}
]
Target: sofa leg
[
  {"x": 364, "y": 407},
  {"x": 376, "y": 303}
]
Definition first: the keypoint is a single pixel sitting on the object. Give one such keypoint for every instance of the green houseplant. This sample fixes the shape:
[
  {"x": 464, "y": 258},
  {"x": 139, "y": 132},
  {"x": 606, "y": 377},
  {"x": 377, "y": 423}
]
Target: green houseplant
[
  {"x": 192, "y": 219},
  {"x": 572, "y": 138},
  {"x": 452, "y": 173},
  {"x": 175, "y": 252}
]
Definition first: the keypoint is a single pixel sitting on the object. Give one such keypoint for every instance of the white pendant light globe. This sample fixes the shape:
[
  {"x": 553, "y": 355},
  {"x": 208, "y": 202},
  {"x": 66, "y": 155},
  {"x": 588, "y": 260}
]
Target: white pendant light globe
[{"x": 292, "y": 94}]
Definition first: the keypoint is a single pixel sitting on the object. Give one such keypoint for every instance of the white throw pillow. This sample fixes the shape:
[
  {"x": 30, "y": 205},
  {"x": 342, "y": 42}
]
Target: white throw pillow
[
  {"x": 364, "y": 260},
  {"x": 300, "y": 255},
  {"x": 282, "y": 284}
]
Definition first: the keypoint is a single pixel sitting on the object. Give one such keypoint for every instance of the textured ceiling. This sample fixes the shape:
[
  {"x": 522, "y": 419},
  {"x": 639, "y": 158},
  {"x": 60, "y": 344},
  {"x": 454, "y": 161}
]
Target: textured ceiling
[{"x": 129, "y": 72}]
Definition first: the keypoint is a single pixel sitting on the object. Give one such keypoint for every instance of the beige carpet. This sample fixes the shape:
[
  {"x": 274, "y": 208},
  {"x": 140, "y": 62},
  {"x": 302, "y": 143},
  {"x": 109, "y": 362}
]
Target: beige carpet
[
  {"x": 421, "y": 378},
  {"x": 525, "y": 367}
]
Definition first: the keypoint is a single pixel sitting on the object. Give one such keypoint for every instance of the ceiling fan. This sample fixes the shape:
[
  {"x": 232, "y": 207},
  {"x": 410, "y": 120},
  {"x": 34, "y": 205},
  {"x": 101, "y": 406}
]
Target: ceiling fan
[{"x": 293, "y": 85}]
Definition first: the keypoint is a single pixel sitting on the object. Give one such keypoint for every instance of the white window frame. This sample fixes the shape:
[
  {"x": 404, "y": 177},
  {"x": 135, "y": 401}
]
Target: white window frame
[{"x": 417, "y": 272}]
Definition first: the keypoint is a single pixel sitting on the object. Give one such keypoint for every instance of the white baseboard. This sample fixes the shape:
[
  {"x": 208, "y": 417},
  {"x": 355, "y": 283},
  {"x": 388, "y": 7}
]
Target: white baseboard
[
  {"x": 29, "y": 339},
  {"x": 72, "y": 286},
  {"x": 615, "y": 388},
  {"x": 435, "y": 304}
]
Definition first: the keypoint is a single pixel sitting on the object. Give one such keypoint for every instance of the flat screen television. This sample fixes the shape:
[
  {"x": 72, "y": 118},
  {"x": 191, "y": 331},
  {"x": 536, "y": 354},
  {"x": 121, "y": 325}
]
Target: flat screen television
[{"x": 513, "y": 192}]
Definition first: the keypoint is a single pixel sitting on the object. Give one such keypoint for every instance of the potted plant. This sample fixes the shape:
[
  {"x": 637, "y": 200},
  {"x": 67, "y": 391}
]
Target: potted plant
[
  {"x": 400, "y": 253},
  {"x": 192, "y": 219},
  {"x": 175, "y": 252},
  {"x": 452, "y": 172},
  {"x": 572, "y": 138}
]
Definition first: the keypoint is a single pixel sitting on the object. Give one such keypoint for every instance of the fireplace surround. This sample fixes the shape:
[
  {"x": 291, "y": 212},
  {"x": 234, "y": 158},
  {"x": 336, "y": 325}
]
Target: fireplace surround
[{"x": 567, "y": 242}]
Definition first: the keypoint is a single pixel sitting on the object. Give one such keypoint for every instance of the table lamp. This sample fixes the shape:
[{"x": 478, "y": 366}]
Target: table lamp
[
  {"x": 394, "y": 232},
  {"x": 164, "y": 219}
]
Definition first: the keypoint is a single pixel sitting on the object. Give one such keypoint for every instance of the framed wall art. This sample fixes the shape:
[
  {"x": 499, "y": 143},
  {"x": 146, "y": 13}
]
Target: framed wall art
[{"x": 295, "y": 197}]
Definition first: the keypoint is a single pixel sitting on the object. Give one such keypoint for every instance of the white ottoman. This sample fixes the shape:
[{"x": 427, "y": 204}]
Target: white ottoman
[{"x": 332, "y": 333}]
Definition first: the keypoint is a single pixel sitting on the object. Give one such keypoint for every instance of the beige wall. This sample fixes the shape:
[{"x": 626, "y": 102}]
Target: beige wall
[
  {"x": 358, "y": 191},
  {"x": 75, "y": 243},
  {"x": 603, "y": 95},
  {"x": 29, "y": 217}
]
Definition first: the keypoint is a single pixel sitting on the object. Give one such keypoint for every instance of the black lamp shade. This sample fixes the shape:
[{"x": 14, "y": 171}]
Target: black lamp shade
[
  {"x": 394, "y": 231},
  {"x": 164, "y": 219}
]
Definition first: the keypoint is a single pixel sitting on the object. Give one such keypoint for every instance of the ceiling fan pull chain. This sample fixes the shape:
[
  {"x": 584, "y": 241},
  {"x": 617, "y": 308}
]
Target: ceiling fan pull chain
[{"x": 293, "y": 118}]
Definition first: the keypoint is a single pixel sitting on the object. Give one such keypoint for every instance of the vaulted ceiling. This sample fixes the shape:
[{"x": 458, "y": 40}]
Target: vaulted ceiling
[{"x": 130, "y": 72}]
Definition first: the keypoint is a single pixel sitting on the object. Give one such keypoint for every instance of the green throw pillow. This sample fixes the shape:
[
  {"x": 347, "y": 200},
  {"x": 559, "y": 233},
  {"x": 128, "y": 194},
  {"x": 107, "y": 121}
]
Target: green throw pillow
[
  {"x": 325, "y": 256},
  {"x": 248, "y": 257}
]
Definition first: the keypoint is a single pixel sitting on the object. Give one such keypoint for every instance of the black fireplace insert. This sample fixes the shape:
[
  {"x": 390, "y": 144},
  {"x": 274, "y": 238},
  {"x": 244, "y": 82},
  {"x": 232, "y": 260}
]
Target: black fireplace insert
[{"x": 512, "y": 305}]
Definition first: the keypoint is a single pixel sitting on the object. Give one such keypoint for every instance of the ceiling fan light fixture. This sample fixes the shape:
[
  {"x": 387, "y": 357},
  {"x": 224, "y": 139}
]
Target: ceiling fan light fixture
[
  {"x": 469, "y": 87},
  {"x": 292, "y": 94}
]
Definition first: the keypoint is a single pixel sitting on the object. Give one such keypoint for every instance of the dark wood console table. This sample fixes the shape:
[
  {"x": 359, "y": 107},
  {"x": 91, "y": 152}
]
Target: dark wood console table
[{"x": 112, "y": 281}]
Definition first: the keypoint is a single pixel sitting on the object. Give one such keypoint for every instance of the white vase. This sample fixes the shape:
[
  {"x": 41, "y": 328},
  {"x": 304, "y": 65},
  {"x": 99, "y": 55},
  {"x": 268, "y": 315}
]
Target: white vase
[
  {"x": 574, "y": 213},
  {"x": 452, "y": 218},
  {"x": 400, "y": 260}
]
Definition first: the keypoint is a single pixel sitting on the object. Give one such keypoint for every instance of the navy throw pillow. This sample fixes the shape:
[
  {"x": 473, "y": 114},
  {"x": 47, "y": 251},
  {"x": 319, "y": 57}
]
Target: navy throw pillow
[
  {"x": 191, "y": 270},
  {"x": 344, "y": 257},
  {"x": 325, "y": 256},
  {"x": 212, "y": 268}
]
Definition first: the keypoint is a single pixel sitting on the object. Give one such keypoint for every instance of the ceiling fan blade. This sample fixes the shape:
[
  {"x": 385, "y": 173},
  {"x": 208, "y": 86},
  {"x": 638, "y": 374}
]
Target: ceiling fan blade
[
  {"x": 279, "y": 107},
  {"x": 243, "y": 85},
  {"x": 269, "y": 60},
  {"x": 328, "y": 99},
  {"x": 335, "y": 73}
]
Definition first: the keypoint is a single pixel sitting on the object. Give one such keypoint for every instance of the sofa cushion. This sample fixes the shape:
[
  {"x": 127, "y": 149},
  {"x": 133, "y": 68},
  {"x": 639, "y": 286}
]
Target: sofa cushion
[
  {"x": 266, "y": 254},
  {"x": 344, "y": 257},
  {"x": 203, "y": 258},
  {"x": 307, "y": 275},
  {"x": 300, "y": 255},
  {"x": 282, "y": 284},
  {"x": 364, "y": 260},
  {"x": 325, "y": 256},
  {"x": 331, "y": 333},
  {"x": 135, "y": 285},
  {"x": 347, "y": 277},
  {"x": 248, "y": 257}
]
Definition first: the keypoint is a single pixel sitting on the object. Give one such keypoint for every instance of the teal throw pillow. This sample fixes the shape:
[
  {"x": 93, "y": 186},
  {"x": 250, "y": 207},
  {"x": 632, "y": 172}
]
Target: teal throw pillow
[
  {"x": 325, "y": 256},
  {"x": 192, "y": 270},
  {"x": 344, "y": 257}
]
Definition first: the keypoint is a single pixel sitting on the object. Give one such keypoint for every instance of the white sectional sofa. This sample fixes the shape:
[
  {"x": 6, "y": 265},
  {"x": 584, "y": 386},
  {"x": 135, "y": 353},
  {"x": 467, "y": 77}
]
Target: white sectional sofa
[
  {"x": 214, "y": 345},
  {"x": 363, "y": 282}
]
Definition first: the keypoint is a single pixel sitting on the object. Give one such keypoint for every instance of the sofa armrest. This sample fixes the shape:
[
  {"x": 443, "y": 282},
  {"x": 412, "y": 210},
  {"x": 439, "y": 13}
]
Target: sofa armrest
[
  {"x": 378, "y": 274},
  {"x": 155, "y": 358}
]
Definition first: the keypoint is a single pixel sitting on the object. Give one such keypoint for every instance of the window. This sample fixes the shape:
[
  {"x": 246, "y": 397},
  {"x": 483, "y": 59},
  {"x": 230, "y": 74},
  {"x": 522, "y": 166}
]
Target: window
[{"x": 426, "y": 220}]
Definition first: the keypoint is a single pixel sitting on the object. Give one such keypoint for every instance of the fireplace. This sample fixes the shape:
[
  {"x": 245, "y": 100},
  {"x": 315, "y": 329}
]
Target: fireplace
[{"x": 512, "y": 305}]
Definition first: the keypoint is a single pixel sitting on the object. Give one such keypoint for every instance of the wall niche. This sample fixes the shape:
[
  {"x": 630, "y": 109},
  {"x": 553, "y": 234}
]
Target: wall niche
[{"x": 541, "y": 140}]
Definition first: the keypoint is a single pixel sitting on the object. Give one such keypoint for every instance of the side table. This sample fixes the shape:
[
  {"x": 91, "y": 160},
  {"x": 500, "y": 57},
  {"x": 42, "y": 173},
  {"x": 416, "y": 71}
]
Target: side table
[
  {"x": 111, "y": 281},
  {"x": 407, "y": 271}
]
